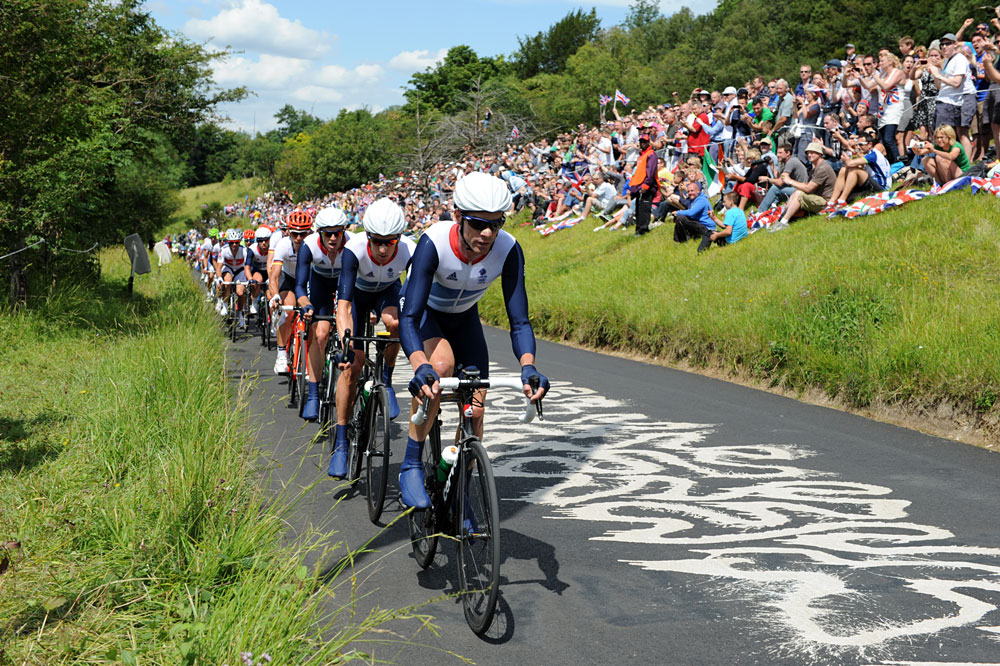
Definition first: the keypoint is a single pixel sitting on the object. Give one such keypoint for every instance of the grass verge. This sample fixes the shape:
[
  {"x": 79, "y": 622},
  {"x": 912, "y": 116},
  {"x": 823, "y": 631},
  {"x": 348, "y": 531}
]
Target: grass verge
[
  {"x": 133, "y": 521},
  {"x": 897, "y": 310}
]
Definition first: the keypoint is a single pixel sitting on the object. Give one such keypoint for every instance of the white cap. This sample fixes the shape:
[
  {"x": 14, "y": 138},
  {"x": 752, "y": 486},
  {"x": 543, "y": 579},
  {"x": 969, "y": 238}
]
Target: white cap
[
  {"x": 480, "y": 191},
  {"x": 384, "y": 218},
  {"x": 729, "y": 91}
]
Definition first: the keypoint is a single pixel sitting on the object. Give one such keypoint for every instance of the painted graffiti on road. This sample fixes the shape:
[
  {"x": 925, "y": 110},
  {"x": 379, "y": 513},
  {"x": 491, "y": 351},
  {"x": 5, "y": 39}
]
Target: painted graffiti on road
[{"x": 830, "y": 566}]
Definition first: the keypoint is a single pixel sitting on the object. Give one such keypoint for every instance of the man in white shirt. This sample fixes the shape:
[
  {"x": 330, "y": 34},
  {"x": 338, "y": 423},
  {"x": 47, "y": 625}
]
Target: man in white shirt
[
  {"x": 955, "y": 104},
  {"x": 602, "y": 196}
]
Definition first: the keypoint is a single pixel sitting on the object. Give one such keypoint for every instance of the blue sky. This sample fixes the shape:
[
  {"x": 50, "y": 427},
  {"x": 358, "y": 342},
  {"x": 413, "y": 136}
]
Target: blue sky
[{"x": 324, "y": 56}]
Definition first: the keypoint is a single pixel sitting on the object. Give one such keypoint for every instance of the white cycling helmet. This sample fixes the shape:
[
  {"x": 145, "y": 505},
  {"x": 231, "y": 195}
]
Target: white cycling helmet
[
  {"x": 233, "y": 235},
  {"x": 480, "y": 191},
  {"x": 384, "y": 218},
  {"x": 331, "y": 216},
  {"x": 262, "y": 233}
]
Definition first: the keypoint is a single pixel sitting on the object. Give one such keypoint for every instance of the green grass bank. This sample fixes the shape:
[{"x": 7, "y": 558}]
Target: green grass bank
[
  {"x": 213, "y": 197},
  {"x": 894, "y": 315},
  {"x": 134, "y": 524}
]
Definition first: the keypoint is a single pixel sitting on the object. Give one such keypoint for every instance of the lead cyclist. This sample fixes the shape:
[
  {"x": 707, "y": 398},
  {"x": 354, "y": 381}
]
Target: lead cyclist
[{"x": 454, "y": 264}]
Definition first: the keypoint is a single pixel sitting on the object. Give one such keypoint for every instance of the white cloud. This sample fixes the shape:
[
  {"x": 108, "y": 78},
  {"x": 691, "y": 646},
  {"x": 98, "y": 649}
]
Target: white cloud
[
  {"x": 409, "y": 62},
  {"x": 336, "y": 76},
  {"x": 269, "y": 73},
  {"x": 255, "y": 25},
  {"x": 318, "y": 94}
]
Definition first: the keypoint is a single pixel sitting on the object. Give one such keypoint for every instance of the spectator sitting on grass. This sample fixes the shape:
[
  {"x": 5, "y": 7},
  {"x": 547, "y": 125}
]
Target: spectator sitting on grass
[
  {"x": 603, "y": 195},
  {"x": 695, "y": 221},
  {"x": 787, "y": 164},
  {"x": 867, "y": 173},
  {"x": 946, "y": 160},
  {"x": 811, "y": 197},
  {"x": 734, "y": 224}
]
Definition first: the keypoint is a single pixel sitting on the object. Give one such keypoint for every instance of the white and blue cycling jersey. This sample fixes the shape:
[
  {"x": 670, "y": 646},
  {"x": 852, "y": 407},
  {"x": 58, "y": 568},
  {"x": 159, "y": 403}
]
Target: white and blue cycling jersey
[
  {"x": 359, "y": 270},
  {"x": 444, "y": 286},
  {"x": 315, "y": 264},
  {"x": 878, "y": 168},
  {"x": 258, "y": 260}
]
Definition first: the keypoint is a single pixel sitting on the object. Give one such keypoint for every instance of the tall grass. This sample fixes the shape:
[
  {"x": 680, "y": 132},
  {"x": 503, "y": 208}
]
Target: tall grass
[
  {"x": 143, "y": 531},
  {"x": 896, "y": 309}
]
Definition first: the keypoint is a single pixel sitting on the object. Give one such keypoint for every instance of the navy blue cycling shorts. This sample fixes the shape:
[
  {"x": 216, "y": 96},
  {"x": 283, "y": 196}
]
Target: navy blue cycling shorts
[
  {"x": 367, "y": 301},
  {"x": 464, "y": 333},
  {"x": 322, "y": 293}
]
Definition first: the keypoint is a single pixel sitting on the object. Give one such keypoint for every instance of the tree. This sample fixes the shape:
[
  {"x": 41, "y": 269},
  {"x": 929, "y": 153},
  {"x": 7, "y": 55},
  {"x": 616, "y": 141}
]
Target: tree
[
  {"x": 439, "y": 88},
  {"x": 90, "y": 96},
  {"x": 292, "y": 122},
  {"x": 348, "y": 151},
  {"x": 547, "y": 52}
]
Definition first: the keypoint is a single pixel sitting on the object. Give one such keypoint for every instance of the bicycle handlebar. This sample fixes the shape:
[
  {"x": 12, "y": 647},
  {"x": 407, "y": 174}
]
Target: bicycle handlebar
[{"x": 502, "y": 381}]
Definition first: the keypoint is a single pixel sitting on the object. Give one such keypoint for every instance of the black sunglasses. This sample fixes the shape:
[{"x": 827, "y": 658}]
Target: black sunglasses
[
  {"x": 479, "y": 224},
  {"x": 383, "y": 241},
  {"x": 332, "y": 232},
  {"x": 298, "y": 234}
]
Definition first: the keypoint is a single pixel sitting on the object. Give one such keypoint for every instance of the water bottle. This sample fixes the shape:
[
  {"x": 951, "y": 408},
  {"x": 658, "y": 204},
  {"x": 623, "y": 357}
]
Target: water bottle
[
  {"x": 448, "y": 457},
  {"x": 366, "y": 392}
]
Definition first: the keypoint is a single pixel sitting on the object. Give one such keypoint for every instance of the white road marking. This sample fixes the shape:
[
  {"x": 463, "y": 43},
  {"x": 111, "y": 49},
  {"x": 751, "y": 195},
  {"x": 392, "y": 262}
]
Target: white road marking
[{"x": 833, "y": 566}]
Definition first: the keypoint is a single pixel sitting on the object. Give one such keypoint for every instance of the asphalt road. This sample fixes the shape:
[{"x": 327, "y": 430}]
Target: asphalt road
[{"x": 661, "y": 517}]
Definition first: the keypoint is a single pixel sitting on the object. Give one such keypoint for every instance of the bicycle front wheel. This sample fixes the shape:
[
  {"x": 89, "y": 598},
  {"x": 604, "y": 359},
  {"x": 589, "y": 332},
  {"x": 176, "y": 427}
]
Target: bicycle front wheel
[
  {"x": 423, "y": 522},
  {"x": 357, "y": 435},
  {"x": 377, "y": 456},
  {"x": 478, "y": 528},
  {"x": 300, "y": 370}
]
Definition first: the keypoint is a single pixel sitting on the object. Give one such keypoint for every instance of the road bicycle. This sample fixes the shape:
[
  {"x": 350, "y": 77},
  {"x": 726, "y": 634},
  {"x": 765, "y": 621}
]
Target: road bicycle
[
  {"x": 464, "y": 505},
  {"x": 368, "y": 430},
  {"x": 296, "y": 353},
  {"x": 263, "y": 317}
]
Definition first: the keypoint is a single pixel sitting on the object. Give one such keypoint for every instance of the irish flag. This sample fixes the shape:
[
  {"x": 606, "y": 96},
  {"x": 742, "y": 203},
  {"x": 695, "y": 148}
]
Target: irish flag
[{"x": 714, "y": 179}]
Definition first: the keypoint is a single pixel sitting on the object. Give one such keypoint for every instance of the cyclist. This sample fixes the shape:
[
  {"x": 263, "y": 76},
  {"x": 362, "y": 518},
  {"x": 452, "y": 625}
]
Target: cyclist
[
  {"x": 232, "y": 267},
  {"x": 257, "y": 264},
  {"x": 452, "y": 267},
  {"x": 281, "y": 279},
  {"x": 373, "y": 263},
  {"x": 318, "y": 266},
  {"x": 204, "y": 259}
]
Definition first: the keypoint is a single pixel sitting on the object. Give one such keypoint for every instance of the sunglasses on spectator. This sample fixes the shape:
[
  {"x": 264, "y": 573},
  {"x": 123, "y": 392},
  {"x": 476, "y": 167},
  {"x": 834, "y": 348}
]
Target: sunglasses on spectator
[
  {"x": 332, "y": 232},
  {"x": 388, "y": 242},
  {"x": 480, "y": 224}
]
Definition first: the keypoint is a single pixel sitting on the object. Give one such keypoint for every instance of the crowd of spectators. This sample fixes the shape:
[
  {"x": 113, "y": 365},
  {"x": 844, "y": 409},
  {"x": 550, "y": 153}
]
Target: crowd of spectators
[{"x": 858, "y": 124}]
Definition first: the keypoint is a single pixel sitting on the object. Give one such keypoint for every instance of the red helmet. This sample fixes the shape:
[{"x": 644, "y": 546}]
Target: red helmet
[
  {"x": 248, "y": 234},
  {"x": 299, "y": 220}
]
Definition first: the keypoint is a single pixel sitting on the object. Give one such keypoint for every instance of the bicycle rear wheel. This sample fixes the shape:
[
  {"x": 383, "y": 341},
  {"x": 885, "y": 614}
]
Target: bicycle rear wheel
[
  {"x": 423, "y": 522},
  {"x": 377, "y": 456},
  {"x": 478, "y": 528}
]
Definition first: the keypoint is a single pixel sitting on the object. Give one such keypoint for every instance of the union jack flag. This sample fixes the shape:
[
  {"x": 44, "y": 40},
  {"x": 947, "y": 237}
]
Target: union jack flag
[
  {"x": 620, "y": 96},
  {"x": 604, "y": 99},
  {"x": 515, "y": 133}
]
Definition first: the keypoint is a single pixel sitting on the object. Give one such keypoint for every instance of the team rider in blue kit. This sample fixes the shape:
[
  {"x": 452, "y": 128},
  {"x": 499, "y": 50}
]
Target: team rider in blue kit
[
  {"x": 454, "y": 264},
  {"x": 371, "y": 268},
  {"x": 318, "y": 268}
]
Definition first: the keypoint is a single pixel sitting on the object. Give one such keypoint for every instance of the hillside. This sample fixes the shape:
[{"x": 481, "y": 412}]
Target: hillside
[{"x": 892, "y": 315}]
